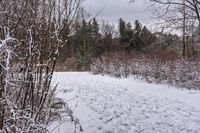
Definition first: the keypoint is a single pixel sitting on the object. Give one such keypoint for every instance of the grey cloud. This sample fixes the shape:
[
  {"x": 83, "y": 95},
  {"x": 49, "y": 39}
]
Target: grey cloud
[{"x": 115, "y": 9}]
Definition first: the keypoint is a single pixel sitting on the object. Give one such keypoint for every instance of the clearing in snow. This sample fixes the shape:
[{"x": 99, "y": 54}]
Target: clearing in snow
[{"x": 111, "y": 105}]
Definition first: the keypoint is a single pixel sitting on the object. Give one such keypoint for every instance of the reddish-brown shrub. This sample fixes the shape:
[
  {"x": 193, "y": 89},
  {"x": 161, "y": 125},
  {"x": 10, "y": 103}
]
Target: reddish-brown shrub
[{"x": 158, "y": 67}]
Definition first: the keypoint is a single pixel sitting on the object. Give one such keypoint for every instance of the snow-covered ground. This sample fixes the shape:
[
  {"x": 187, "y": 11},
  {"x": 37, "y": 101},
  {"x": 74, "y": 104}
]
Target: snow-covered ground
[{"x": 110, "y": 105}]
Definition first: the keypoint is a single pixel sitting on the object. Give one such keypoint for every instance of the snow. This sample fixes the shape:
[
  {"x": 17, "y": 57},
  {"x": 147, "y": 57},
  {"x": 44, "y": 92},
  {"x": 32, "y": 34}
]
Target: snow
[{"x": 105, "y": 104}]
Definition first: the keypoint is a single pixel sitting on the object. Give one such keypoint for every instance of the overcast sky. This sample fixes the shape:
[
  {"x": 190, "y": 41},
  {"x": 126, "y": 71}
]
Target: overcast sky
[{"x": 115, "y": 9}]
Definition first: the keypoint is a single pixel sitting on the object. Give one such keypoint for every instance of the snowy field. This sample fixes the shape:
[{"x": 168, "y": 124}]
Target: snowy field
[{"x": 109, "y": 105}]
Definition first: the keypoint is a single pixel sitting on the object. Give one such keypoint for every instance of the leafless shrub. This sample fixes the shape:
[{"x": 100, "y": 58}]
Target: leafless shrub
[
  {"x": 31, "y": 34},
  {"x": 151, "y": 67}
]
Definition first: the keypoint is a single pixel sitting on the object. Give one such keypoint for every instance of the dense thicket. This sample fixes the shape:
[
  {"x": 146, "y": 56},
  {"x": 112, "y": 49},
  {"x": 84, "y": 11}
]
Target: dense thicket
[
  {"x": 157, "y": 68},
  {"x": 31, "y": 35}
]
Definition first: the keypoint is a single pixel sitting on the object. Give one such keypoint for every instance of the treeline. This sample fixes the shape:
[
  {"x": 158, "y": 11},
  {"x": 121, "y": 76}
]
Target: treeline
[{"x": 91, "y": 39}]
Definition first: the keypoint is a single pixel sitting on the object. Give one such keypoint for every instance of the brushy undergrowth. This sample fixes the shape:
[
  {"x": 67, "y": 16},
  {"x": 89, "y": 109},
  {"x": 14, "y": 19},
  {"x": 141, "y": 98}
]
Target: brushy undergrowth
[{"x": 153, "y": 68}]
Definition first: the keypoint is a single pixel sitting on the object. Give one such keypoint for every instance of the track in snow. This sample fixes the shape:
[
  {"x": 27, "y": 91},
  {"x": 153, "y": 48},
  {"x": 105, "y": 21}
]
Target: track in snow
[{"x": 110, "y": 105}]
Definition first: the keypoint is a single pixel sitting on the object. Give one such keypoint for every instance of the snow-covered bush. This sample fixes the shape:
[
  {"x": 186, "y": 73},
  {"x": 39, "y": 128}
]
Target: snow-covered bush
[
  {"x": 30, "y": 35},
  {"x": 176, "y": 72},
  {"x": 26, "y": 97}
]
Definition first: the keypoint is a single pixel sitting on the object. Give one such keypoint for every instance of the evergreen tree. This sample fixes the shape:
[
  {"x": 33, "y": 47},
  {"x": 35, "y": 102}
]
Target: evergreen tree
[
  {"x": 129, "y": 35},
  {"x": 137, "y": 40},
  {"x": 122, "y": 31},
  {"x": 138, "y": 27},
  {"x": 95, "y": 27},
  {"x": 147, "y": 37}
]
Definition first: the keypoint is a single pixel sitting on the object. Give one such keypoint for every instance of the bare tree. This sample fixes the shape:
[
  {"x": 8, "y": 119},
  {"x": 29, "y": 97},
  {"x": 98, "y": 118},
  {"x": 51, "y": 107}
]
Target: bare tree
[
  {"x": 181, "y": 15},
  {"x": 193, "y": 7}
]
